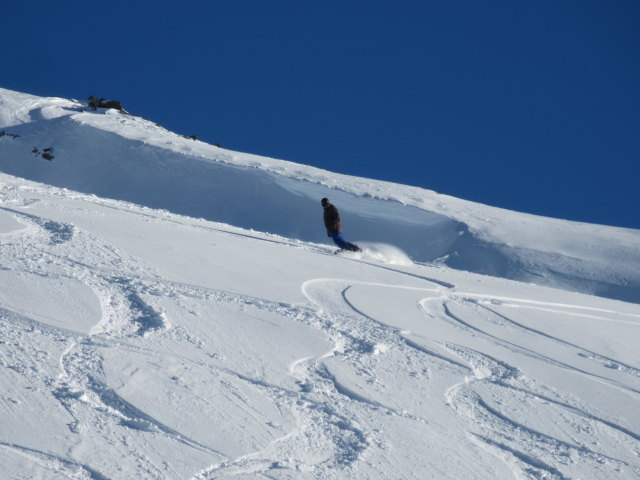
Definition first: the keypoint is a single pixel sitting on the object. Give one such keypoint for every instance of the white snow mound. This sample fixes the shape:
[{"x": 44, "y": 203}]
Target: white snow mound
[{"x": 176, "y": 312}]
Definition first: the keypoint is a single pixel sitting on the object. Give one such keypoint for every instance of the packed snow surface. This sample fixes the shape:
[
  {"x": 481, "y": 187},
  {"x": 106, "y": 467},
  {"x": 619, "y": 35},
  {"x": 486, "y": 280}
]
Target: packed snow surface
[{"x": 173, "y": 310}]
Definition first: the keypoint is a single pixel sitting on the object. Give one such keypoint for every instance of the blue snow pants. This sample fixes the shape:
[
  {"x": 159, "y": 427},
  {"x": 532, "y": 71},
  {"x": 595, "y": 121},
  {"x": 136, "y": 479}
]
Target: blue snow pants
[{"x": 339, "y": 240}]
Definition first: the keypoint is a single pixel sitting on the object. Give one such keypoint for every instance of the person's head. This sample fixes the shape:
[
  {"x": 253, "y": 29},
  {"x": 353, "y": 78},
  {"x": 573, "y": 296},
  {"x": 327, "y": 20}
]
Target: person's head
[{"x": 325, "y": 202}]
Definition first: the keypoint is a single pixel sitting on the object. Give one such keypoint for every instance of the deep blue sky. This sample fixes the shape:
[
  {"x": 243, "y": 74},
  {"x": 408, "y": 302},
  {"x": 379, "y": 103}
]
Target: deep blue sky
[{"x": 528, "y": 105}]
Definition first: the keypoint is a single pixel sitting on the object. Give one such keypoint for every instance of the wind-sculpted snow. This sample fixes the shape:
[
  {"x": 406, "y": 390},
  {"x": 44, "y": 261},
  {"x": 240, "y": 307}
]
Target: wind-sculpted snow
[
  {"x": 63, "y": 302},
  {"x": 166, "y": 347},
  {"x": 31, "y": 463},
  {"x": 116, "y": 155},
  {"x": 9, "y": 224},
  {"x": 137, "y": 343}
]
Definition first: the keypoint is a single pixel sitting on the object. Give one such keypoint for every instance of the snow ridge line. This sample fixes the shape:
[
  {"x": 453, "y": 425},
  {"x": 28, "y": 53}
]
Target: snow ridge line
[
  {"x": 528, "y": 303},
  {"x": 497, "y": 372},
  {"x": 318, "y": 423},
  {"x": 573, "y": 409},
  {"x": 79, "y": 384},
  {"x": 144, "y": 315},
  {"x": 536, "y": 445},
  {"x": 314, "y": 405},
  {"x": 73, "y": 468},
  {"x": 519, "y": 461},
  {"x": 526, "y": 351},
  {"x": 59, "y": 232},
  {"x": 136, "y": 419},
  {"x": 609, "y": 362}
]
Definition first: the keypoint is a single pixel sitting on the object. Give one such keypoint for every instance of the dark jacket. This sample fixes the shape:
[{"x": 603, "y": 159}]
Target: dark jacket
[{"x": 332, "y": 220}]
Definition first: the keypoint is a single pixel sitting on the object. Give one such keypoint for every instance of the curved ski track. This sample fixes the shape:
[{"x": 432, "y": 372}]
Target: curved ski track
[{"x": 491, "y": 389}]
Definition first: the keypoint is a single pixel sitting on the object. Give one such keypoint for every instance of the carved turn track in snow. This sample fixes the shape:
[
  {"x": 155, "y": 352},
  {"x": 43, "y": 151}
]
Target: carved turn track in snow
[
  {"x": 165, "y": 347},
  {"x": 489, "y": 369}
]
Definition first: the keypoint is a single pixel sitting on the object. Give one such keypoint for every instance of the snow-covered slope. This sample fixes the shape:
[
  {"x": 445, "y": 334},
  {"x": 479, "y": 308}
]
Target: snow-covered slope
[
  {"x": 143, "y": 343},
  {"x": 120, "y": 156}
]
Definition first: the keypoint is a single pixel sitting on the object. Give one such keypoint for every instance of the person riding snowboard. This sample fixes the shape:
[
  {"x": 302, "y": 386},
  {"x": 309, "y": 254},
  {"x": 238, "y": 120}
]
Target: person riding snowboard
[{"x": 334, "y": 226}]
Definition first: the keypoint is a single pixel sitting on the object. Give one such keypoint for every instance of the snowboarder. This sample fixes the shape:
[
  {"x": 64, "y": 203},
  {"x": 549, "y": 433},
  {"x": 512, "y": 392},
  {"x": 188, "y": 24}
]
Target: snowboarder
[{"x": 334, "y": 227}]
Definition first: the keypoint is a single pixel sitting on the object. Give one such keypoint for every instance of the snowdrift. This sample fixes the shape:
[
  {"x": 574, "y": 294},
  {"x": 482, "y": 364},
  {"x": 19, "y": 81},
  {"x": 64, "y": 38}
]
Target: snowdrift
[
  {"x": 114, "y": 155},
  {"x": 186, "y": 319}
]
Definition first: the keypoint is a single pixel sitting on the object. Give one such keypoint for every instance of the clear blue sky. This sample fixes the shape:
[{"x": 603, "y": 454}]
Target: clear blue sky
[{"x": 528, "y": 105}]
